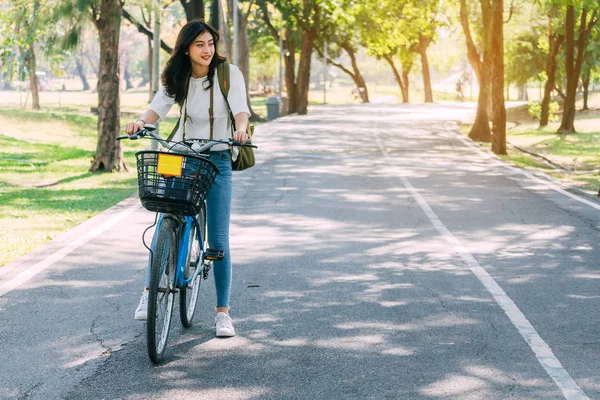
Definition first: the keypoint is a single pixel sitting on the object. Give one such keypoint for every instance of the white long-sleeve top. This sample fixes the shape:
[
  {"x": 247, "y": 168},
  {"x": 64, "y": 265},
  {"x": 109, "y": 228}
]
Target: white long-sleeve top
[{"x": 197, "y": 125}]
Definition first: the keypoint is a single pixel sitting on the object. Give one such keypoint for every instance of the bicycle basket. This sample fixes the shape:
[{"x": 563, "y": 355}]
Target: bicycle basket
[{"x": 174, "y": 183}]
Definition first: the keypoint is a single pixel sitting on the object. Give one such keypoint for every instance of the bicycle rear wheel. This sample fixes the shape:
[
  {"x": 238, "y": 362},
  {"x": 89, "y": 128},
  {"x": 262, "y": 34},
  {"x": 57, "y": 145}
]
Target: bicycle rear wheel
[
  {"x": 188, "y": 296},
  {"x": 162, "y": 289}
]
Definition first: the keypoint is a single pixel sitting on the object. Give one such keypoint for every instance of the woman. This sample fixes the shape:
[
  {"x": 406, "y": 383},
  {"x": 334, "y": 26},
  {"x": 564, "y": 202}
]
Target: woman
[{"x": 194, "y": 60}]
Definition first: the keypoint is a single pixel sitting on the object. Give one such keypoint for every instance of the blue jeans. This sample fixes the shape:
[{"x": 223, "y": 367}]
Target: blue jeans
[{"x": 218, "y": 212}]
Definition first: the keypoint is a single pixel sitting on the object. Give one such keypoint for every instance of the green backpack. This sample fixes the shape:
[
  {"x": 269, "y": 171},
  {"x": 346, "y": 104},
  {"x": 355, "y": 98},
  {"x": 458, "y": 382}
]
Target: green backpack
[{"x": 245, "y": 157}]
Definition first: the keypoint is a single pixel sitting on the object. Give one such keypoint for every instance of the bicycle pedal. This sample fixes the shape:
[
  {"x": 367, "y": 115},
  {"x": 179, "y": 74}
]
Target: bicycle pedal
[{"x": 214, "y": 255}]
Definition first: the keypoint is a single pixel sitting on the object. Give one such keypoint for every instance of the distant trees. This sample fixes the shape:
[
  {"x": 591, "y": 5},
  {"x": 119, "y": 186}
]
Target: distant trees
[
  {"x": 398, "y": 32},
  {"x": 394, "y": 31},
  {"x": 23, "y": 24},
  {"x": 340, "y": 34},
  {"x": 524, "y": 58},
  {"x": 572, "y": 26},
  {"x": 555, "y": 38},
  {"x": 575, "y": 50},
  {"x": 302, "y": 24}
]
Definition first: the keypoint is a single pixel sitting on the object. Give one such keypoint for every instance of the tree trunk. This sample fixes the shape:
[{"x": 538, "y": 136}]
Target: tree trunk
[
  {"x": 290, "y": 74},
  {"x": 215, "y": 14},
  {"x": 523, "y": 96},
  {"x": 219, "y": 22},
  {"x": 406, "y": 93},
  {"x": 568, "y": 120},
  {"x": 33, "y": 81},
  {"x": 109, "y": 156},
  {"x": 574, "y": 63},
  {"x": 127, "y": 79},
  {"x": 472, "y": 53},
  {"x": 306, "y": 48},
  {"x": 423, "y": 44},
  {"x": 224, "y": 46},
  {"x": 244, "y": 58},
  {"x": 193, "y": 9},
  {"x": 586, "y": 88},
  {"x": 499, "y": 116},
  {"x": 359, "y": 81},
  {"x": 81, "y": 73},
  {"x": 150, "y": 69},
  {"x": 556, "y": 42},
  {"x": 399, "y": 80},
  {"x": 480, "y": 131}
]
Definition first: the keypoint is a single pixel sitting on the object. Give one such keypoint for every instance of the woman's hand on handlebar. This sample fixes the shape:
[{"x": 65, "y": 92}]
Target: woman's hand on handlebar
[
  {"x": 240, "y": 136},
  {"x": 133, "y": 127}
]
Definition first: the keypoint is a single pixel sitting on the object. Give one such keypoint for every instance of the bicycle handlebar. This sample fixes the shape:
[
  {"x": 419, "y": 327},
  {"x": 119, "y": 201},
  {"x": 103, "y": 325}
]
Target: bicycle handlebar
[{"x": 183, "y": 146}]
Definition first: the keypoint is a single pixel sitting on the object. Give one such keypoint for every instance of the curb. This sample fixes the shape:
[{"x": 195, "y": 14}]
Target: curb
[
  {"x": 70, "y": 234},
  {"x": 592, "y": 196}
]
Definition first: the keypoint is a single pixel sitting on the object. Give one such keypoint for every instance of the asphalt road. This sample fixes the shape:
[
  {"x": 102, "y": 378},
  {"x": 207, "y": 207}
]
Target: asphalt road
[{"x": 377, "y": 255}]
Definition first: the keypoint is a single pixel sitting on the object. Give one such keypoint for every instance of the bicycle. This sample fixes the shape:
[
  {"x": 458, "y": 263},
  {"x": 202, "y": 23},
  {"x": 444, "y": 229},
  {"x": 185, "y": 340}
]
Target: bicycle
[{"x": 175, "y": 184}]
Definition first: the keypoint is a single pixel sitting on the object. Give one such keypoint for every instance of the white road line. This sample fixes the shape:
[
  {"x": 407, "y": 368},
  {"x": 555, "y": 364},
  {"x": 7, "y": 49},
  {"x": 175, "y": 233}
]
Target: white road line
[
  {"x": 542, "y": 351},
  {"x": 63, "y": 252}
]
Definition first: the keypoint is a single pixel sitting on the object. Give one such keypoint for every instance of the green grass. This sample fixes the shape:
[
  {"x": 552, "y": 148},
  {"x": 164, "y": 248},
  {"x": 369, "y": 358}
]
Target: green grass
[
  {"x": 579, "y": 153},
  {"x": 45, "y": 186}
]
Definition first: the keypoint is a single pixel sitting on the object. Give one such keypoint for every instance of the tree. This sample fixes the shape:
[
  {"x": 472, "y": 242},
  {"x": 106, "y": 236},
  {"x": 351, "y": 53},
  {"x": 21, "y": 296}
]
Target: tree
[
  {"x": 524, "y": 59},
  {"x": 23, "y": 24},
  {"x": 139, "y": 14},
  {"x": 497, "y": 50},
  {"x": 265, "y": 53},
  {"x": 387, "y": 35},
  {"x": 245, "y": 10},
  {"x": 575, "y": 50},
  {"x": 302, "y": 24},
  {"x": 193, "y": 9},
  {"x": 340, "y": 35},
  {"x": 590, "y": 63},
  {"x": 480, "y": 61},
  {"x": 108, "y": 156},
  {"x": 555, "y": 40},
  {"x": 219, "y": 22},
  {"x": 81, "y": 73},
  {"x": 106, "y": 16},
  {"x": 424, "y": 17}
]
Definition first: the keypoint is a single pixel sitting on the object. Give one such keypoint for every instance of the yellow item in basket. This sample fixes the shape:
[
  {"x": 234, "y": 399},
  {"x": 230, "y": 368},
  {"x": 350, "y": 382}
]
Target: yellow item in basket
[{"x": 169, "y": 165}]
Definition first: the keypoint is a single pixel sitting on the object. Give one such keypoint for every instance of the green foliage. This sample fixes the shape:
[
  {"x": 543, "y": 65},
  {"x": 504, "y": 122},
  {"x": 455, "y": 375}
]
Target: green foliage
[
  {"x": 535, "y": 110},
  {"x": 24, "y": 25},
  {"x": 392, "y": 27},
  {"x": 265, "y": 50},
  {"x": 524, "y": 59}
]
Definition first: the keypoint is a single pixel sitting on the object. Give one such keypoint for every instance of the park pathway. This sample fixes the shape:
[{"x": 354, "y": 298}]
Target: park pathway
[{"x": 378, "y": 254}]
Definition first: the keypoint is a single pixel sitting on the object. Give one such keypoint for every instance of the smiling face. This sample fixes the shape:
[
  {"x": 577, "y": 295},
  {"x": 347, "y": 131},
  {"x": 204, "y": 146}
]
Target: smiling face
[{"x": 202, "y": 50}]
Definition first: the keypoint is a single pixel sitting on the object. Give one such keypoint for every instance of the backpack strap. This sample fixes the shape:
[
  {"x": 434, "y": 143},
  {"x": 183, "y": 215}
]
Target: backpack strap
[
  {"x": 181, "y": 111},
  {"x": 224, "y": 84}
]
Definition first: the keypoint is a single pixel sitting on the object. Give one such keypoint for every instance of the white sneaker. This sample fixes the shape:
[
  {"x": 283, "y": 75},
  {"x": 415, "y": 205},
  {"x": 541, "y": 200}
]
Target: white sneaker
[
  {"x": 224, "y": 325},
  {"x": 141, "y": 313}
]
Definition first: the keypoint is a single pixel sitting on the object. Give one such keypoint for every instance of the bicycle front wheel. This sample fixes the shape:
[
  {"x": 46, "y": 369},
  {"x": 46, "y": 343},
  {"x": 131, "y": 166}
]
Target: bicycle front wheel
[
  {"x": 188, "y": 296},
  {"x": 162, "y": 289}
]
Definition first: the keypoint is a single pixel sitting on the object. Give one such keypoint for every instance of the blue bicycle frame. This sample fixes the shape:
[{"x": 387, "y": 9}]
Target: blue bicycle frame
[{"x": 183, "y": 237}]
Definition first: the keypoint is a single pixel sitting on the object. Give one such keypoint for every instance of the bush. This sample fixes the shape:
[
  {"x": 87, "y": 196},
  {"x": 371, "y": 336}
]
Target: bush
[{"x": 535, "y": 110}]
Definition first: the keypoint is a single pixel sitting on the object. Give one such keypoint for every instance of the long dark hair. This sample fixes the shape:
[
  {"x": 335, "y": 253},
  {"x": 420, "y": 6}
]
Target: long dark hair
[{"x": 179, "y": 67}]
